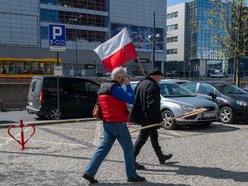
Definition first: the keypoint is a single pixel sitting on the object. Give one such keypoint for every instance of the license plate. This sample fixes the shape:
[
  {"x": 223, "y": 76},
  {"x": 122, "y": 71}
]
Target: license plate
[{"x": 208, "y": 114}]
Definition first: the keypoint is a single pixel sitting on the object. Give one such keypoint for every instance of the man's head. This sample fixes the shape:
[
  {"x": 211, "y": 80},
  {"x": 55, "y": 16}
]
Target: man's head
[
  {"x": 119, "y": 74},
  {"x": 156, "y": 75}
]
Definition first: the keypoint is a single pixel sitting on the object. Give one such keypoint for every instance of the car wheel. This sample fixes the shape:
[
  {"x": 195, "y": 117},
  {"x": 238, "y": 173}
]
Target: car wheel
[
  {"x": 53, "y": 113},
  {"x": 226, "y": 115},
  {"x": 170, "y": 125}
]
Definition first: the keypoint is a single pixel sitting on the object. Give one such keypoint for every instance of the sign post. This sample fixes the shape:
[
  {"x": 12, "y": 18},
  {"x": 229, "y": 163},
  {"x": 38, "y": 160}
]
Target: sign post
[
  {"x": 57, "y": 40},
  {"x": 57, "y": 44}
]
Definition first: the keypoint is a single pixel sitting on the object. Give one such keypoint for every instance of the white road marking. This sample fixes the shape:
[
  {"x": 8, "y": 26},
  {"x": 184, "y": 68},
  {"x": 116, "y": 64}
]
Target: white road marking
[
  {"x": 67, "y": 129},
  {"x": 59, "y": 143},
  {"x": 98, "y": 133}
]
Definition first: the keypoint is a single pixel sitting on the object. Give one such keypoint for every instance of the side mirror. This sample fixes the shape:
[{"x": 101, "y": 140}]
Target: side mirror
[{"x": 212, "y": 95}]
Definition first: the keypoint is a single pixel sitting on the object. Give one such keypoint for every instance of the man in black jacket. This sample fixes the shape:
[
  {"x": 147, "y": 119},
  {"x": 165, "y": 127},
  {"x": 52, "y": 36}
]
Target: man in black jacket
[{"x": 146, "y": 111}]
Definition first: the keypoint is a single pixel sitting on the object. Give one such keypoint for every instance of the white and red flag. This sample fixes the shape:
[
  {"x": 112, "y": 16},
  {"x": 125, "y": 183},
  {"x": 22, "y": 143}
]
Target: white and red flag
[{"x": 117, "y": 50}]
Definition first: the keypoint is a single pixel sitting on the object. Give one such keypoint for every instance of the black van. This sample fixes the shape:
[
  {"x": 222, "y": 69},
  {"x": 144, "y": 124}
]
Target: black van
[{"x": 76, "y": 98}]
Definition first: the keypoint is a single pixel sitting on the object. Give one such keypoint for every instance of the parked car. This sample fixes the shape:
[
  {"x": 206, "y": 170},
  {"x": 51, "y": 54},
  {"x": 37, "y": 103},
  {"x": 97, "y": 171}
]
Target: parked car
[
  {"x": 176, "y": 100},
  {"x": 245, "y": 88},
  {"x": 76, "y": 98},
  {"x": 217, "y": 76},
  {"x": 232, "y": 101}
]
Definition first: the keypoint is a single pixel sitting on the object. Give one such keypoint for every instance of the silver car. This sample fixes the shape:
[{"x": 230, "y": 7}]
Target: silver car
[{"x": 176, "y": 100}]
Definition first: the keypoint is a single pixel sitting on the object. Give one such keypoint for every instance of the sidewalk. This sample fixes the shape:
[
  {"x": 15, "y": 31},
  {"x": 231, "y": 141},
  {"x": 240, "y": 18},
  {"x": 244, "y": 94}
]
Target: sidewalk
[{"x": 57, "y": 154}]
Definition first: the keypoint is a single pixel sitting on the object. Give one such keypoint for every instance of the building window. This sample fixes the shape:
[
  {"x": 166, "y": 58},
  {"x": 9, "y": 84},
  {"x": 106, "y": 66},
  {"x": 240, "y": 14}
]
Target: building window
[
  {"x": 100, "y": 5},
  {"x": 55, "y": 16},
  {"x": 172, "y": 39},
  {"x": 171, "y": 51},
  {"x": 172, "y": 15},
  {"x": 172, "y": 27}
]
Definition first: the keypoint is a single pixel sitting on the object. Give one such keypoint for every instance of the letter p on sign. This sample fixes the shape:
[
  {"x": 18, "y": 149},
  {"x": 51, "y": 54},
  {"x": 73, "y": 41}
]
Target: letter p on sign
[{"x": 57, "y": 32}]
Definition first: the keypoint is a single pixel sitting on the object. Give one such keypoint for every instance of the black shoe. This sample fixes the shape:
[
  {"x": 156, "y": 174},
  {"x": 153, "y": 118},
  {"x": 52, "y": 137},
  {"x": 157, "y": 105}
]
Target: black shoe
[
  {"x": 90, "y": 178},
  {"x": 139, "y": 167},
  {"x": 164, "y": 158},
  {"x": 137, "y": 179}
]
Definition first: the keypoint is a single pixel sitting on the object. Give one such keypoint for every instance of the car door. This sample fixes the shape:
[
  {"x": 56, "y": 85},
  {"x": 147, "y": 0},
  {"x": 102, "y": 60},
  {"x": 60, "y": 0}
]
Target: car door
[
  {"x": 206, "y": 89},
  {"x": 90, "y": 96},
  {"x": 200, "y": 89},
  {"x": 71, "y": 100}
]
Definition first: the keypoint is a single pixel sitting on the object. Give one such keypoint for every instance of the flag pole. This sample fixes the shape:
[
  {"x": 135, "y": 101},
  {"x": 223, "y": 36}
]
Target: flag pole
[
  {"x": 192, "y": 113},
  {"x": 141, "y": 67}
]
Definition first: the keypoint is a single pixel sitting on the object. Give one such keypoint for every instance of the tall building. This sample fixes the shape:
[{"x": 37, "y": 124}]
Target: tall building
[
  {"x": 194, "y": 53},
  {"x": 176, "y": 35},
  {"x": 24, "y": 32}
]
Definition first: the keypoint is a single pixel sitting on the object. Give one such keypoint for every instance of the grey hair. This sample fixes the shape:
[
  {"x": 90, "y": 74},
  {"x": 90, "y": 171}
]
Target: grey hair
[{"x": 118, "y": 71}]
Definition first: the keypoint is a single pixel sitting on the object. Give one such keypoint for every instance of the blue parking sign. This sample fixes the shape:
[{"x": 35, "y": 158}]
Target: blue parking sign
[{"x": 57, "y": 39}]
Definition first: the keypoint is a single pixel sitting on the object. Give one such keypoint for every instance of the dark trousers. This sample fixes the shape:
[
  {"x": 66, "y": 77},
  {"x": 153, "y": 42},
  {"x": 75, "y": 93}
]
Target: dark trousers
[{"x": 142, "y": 138}]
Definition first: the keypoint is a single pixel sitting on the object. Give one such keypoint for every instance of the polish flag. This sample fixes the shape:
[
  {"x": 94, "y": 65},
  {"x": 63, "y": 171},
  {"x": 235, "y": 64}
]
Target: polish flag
[{"x": 117, "y": 50}]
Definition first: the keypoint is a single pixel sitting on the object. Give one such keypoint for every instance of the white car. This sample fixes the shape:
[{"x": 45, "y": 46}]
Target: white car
[{"x": 176, "y": 100}]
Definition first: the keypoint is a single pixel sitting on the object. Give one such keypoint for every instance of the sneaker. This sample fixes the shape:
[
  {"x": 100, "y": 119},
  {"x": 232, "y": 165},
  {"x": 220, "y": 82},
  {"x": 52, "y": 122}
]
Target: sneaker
[
  {"x": 164, "y": 158},
  {"x": 89, "y": 178},
  {"x": 139, "y": 167},
  {"x": 137, "y": 179}
]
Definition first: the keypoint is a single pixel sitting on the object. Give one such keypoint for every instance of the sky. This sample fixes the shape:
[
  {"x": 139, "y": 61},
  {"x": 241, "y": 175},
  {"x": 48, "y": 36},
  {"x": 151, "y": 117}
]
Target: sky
[{"x": 173, "y": 2}]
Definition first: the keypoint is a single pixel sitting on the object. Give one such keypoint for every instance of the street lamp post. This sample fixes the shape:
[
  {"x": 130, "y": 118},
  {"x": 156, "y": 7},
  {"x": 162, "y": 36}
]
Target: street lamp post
[
  {"x": 153, "y": 42},
  {"x": 75, "y": 37}
]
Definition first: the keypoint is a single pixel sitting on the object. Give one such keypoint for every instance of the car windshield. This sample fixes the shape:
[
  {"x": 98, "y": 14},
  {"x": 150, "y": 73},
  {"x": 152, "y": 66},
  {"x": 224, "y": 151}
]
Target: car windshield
[
  {"x": 133, "y": 85},
  {"x": 174, "y": 90},
  {"x": 225, "y": 88}
]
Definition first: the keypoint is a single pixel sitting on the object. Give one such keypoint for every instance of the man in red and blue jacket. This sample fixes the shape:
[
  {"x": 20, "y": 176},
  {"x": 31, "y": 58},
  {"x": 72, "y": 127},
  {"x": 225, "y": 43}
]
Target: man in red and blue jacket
[{"x": 112, "y": 100}]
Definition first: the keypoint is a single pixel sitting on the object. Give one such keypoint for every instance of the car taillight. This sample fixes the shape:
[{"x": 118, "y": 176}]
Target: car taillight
[{"x": 41, "y": 97}]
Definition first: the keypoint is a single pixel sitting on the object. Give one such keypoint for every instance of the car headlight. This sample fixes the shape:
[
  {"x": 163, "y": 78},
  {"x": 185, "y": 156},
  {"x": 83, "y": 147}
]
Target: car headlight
[
  {"x": 241, "y": 103},
  {"x": 187, "y": 108}
]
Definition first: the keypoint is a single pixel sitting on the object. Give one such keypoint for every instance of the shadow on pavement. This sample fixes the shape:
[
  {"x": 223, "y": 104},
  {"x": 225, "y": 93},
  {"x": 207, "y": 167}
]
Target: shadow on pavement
[
  {"x": 52, "y": 155},
  {"x": 211, "y": 172},
  {"x": 214, "y": 128},
  {"x": 141, "y": 184}
]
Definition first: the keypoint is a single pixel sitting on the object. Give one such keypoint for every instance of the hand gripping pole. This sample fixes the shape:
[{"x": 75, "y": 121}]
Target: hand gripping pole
[{"x": 22, "y": 141}]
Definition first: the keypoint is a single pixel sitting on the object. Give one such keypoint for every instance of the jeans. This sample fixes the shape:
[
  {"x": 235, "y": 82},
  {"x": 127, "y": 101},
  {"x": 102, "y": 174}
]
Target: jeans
[{"x": 113, "y": 131}]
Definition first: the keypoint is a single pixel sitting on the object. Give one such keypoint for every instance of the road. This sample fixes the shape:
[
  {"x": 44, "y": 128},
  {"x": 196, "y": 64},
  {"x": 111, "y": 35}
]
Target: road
[{"x": 9, "y": 117}]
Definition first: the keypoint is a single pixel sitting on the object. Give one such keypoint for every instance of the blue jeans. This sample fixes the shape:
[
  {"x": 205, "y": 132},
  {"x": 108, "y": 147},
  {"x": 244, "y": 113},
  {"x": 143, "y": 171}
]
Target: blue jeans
[{"x": 113, "y": 131}]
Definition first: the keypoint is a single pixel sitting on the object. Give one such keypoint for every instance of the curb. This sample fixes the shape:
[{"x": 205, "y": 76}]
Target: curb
[{"x": 50, "y": 122}]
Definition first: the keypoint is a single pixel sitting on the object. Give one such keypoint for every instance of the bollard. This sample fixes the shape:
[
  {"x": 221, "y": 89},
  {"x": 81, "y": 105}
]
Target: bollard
[{"x": 22, "y": 141}]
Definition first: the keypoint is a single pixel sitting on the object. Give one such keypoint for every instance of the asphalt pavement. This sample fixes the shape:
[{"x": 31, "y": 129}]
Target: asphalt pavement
[{"x": 13, "y": 117}]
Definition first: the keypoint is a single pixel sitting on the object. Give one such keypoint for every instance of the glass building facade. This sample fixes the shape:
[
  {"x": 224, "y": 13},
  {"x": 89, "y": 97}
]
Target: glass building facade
[
  {"x": 66, "y": 17},
  {"x": 25, "y": 30},
  {"x": 203, "y": 54},
  {"x": 81, "y": 17}
]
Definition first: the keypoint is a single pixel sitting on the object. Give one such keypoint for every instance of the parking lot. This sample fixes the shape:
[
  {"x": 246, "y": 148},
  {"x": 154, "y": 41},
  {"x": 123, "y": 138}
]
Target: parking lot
[{"x": 57, "y": 155}]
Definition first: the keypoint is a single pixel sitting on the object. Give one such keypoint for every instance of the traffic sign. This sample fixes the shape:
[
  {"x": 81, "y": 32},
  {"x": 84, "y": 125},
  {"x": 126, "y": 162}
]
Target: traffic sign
[{"x": 57, "y": 39}]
